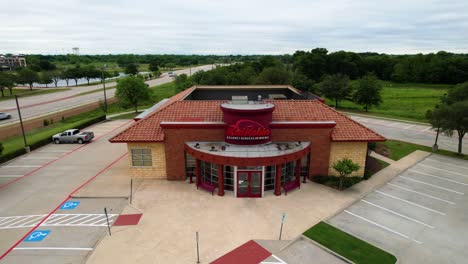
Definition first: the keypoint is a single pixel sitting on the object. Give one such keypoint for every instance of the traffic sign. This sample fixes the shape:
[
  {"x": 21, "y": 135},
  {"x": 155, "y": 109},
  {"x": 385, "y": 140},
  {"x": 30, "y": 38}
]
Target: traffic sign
[
  {"x": 37, "y": 236},
  {"x": 70, "y": 205}
]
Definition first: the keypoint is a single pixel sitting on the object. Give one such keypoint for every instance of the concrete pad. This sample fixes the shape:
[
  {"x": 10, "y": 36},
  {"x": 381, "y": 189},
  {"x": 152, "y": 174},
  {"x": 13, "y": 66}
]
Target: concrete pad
[{"x": 305, "y": 251}]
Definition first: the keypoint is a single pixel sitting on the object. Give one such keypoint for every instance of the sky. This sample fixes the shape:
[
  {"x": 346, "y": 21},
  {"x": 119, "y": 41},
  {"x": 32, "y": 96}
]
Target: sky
[{"x": 232, "y": 27}]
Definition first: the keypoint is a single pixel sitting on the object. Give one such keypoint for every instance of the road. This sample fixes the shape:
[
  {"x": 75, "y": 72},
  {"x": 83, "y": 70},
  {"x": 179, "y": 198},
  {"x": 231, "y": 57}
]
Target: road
[
  {"x": 37, "y": 105},
  {"x": 36, "y": 184},
  {"x": 410, "y": 132}
]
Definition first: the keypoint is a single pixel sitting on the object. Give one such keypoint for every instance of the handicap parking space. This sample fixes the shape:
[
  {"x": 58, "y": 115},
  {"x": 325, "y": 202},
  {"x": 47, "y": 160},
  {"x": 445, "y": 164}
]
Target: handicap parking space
[{"x": 419, "y": 216}]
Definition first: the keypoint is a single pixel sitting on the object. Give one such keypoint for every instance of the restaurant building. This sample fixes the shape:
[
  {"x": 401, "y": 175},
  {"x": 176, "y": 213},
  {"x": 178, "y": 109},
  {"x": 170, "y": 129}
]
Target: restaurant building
[{"x": 243, "y": 140}]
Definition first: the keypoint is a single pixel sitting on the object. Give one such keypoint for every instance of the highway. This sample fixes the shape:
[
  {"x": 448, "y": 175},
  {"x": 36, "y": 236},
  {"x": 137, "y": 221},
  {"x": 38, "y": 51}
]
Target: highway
[{"x": 45, "y": 103}]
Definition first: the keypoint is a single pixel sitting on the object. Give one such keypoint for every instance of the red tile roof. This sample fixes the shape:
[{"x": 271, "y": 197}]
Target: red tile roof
[{"x": 148, "y": 129}]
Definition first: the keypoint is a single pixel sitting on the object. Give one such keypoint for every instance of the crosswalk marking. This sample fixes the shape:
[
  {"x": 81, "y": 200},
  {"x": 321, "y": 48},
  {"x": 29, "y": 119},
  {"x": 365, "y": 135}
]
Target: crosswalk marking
[{"x": 96, "y": 220}]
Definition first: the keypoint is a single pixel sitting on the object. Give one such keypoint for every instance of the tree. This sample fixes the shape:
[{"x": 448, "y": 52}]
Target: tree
[
  {"x": 182, "y": 82},
  {"x": 56, "y": 76},
  {"x": 1, "y": 149},
  {"x": 368, "y": 92},
  {"x": 90, "y": 72},
  {"x": 131, "y": 69},
  {"x": 458, "y": 93},
  {"x": 153, "y": 66},
  {"x": 336, "y": 87},
  {"x": 345, "y": 167},
  {"x": 455, "y": 118},
  {"x": 45, "y": 78},
  {"x": 303, "y": 83},
  {"x": 132, "y": 90},
  {"x": 27, "y": 76},
  {"x": 104, "y": 75},
  {"x": 273, "y": 75},
  {"x": 170, "y": 66},
  {"x": 74, "y": 73},
  {"x": 7, "y": 80},
  {"x": 436, "y": 119}
]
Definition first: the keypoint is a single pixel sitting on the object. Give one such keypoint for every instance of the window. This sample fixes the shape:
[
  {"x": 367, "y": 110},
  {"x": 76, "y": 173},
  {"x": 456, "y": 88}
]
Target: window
[
  {"x": 190, "y": 165},
  {"x": 209, "y": 172},
  {"x": 229, "y": 178},
  {"x": 141, "y": 157},
  {"x": 270, "y": 174},
  {"x": 288, "y": 172}
]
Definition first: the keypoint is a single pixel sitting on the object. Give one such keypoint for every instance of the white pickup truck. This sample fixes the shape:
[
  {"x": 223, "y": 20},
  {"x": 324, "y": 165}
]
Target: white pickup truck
[{"x": 72, "y": 136}]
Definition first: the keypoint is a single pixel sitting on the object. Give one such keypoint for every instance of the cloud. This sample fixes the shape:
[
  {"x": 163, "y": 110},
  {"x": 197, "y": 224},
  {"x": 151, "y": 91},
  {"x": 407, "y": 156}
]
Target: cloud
[{"x": 232, "y": 27}]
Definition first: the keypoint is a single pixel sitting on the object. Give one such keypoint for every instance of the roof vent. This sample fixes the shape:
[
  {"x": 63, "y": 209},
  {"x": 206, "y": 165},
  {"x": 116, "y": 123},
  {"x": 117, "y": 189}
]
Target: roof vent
[{"x": 240, "y": 99}]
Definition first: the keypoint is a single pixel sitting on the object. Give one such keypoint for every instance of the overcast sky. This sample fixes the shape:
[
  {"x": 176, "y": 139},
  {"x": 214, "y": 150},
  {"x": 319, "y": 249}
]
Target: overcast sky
[{"x": 232, "y": 26}]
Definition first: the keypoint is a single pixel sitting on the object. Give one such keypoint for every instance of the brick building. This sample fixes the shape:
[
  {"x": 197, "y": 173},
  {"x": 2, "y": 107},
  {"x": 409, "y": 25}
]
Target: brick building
[
  {"x": 12, "y": 62},
  {"x": 244, "y": 139}
]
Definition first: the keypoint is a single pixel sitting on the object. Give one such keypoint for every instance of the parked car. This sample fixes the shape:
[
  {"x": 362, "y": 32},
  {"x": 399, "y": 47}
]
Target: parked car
[
  {"x": 72, "y": 136},
  {"x": 4, "y": 116},
  {"x": 172, "y": 74}
]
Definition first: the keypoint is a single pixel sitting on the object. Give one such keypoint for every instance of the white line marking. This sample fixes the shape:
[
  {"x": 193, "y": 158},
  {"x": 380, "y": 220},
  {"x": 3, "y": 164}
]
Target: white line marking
[
  {"x": 12, "y": 220},
  {"x": 392, "y": 124},
  {"x": 11, "y": 176},
  {"x": 27, "y": 158},
  {"x": 89, "y": 220},
  {"x": 415, "y": 204},
  {"x": 463, "y": 167},
  {"x": 22, "y": 166},
  {"x": 79, "y": 219},
  {"x": 408, "y": 127},
  {"x": 36, "y": 219},
  {"x": 443, "y": 170},
  {"x": 52, "y": 248},
  {"x": 68, "y": 219},
  {"x": 427, "y": 195},
  {"x": 435, "y": 186},
  {"x": 438, "y": 177},
  {"x": 102, "y": 220},
  {"x": 381, "y": 226},
  {"x": 426, "y": 129},
  {"x": 49, "y": 221},
  {"x": 393, "y": 212}
]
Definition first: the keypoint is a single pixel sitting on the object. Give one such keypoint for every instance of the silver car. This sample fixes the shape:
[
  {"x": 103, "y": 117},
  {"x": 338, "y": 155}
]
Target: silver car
[{"x": 4, "y": 116}]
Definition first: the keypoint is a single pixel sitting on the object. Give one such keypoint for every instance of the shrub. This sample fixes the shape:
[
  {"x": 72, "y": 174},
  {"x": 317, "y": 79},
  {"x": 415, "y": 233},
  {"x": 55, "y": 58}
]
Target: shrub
[
  {"x": 45, "y": 122},
  {"x": 334, "y": 182}
]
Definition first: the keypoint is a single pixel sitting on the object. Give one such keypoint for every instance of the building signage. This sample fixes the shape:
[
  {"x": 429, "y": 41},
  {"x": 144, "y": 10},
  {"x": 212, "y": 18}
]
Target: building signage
[{"x": 247, "y": 132}]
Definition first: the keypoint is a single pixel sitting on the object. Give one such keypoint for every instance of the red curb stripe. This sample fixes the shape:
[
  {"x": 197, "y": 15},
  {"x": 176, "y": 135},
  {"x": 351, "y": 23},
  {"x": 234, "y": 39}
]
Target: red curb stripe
[
  {"x": 56, "y": 208},
  {"x": 52, "y": 161}
]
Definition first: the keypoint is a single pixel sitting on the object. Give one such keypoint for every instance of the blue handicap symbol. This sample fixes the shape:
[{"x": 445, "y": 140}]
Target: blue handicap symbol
[
  {"x": 37, "y": 236},
  {"x": 69, "y": 205}
]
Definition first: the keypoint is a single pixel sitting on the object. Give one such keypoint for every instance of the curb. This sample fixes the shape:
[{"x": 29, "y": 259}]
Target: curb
[{"x": 385, "y": 118}]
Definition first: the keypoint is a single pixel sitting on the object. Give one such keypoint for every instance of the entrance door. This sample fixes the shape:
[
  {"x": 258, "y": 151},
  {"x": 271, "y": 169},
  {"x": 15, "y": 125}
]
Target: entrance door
[{"x": 249, "y": 184}]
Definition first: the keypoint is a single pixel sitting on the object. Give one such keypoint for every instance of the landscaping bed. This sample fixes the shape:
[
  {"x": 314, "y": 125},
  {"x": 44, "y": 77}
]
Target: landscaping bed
[{"x": 348, "y": 246}]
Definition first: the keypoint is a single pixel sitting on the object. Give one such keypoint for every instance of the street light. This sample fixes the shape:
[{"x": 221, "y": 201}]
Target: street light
[
  {"x": 104, "y": 85},
  {"x": 26, "y": 147}
]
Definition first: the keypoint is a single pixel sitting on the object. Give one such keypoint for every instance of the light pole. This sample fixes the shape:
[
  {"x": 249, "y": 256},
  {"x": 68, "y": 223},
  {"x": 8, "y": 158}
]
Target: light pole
[
  {"x": 103, "y": 77},
  {"x": 26, "y": 147}
]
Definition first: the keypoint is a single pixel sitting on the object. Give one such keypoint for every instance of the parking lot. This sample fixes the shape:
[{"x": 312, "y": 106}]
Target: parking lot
[
  {"x": 34, "y": 185},
  {"x": 419, "y": 216}
]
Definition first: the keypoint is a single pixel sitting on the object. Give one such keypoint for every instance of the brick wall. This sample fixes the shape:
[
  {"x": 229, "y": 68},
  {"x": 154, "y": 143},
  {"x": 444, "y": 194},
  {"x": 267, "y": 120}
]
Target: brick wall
[
  {"x": 356, "y": 151},
  {"x": 158, "y": 170}
]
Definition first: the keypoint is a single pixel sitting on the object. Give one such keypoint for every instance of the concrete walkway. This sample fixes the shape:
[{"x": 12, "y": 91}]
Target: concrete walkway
[
  {"x": 174, "y": 211},
  {"x": 381, "y": 157}
]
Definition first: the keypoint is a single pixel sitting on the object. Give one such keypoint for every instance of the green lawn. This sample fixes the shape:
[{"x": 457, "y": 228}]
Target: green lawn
[
  {"x": 402, "y": 101},
  {"x": 396, "y": 150},
  {"x": 163, "y": 91},
  {"x": 348, "y": 246},
  {"x": 27, "y": 92}
]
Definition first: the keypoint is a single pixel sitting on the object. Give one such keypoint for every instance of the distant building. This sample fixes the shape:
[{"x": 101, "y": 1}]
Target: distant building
[{"x": 12, "y": 61}]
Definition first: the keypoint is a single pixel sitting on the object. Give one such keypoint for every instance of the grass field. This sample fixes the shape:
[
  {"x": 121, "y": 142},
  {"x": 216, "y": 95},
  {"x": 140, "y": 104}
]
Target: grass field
[
  {"x": 27, "y": 92},
  {"x": 403, "y": 101},
  {"x": 348, "y": 246},
  {"x": 396, "y": 150}
]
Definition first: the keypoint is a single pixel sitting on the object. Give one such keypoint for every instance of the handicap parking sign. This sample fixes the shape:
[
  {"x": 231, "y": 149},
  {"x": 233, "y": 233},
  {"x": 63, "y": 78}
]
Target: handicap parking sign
[
  {"x": 69, "y": 205},
  {"x": 37, "y": 236}
]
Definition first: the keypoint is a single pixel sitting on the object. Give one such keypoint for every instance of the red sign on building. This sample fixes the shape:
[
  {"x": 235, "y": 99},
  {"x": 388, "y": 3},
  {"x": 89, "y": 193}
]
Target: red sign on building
[{"x": 246, "y": 131}]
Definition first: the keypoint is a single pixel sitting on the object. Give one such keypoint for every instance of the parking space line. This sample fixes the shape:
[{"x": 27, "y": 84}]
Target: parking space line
[
  {"x": 21, "y": 166},
  {"x": 55, "y": 219},
  {"x": 463, "y": 167},
  {"x": 427, "y": 195},
  {"x": 68, "y": 219},
  {"x": 11, "y": 176},
  {"x": 415, "y": 204},
  {"x": 426, "y": 129},
  {"x": 74, "y": 221},
  {"x": 432, "y": 185},
  {"x": 408, "y": 127},
  {"x": 381, "y": 226},
  {"x": 395, "y": 213},
  {"x": 438, "y": 177},
  {"x": 52, "y": 248},
  {"x": 36, "y": 218},
  {"x": 102, "y": 220},
  {"x": 89, "y": 220},
  {"x": 12, "y": 220},
  {"x": 28, "y": 158},
  {"x": 443, "y": 170}
]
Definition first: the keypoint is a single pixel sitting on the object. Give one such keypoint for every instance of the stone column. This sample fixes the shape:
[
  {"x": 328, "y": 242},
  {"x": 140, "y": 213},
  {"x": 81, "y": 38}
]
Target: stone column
[
  {"x": 278, "y": 180},
  {"x": 220, "y": 180},
  {"x": 298, "y": 172},
  {"x": 198, "y": 171}
]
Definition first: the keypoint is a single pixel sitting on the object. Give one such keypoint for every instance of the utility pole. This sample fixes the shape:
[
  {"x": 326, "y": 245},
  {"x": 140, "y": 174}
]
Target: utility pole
[
  {"x": 26, "y": 147},
  {"x": 104, "y": 85}
]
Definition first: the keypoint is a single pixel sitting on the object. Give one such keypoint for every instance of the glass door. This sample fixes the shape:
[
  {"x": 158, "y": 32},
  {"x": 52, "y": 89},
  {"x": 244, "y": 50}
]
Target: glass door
[{"x": 249, "y": 184}]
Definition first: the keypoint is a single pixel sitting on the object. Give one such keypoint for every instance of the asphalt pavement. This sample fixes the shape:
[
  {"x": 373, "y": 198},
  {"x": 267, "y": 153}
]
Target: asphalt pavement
[
  {"x": 35, "y": 189},
  {"x": 41, "y": 104},
  {"x": 417, "y": 133}
]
